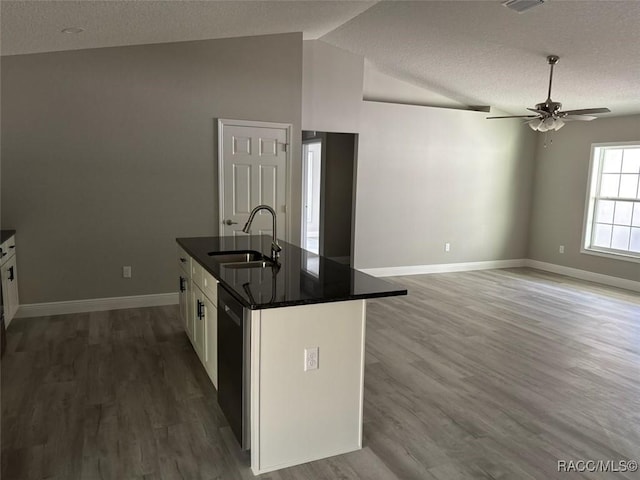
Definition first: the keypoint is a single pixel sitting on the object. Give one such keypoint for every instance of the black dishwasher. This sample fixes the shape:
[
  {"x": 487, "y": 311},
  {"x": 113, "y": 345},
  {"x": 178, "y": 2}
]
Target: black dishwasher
[{"x": 234, "y": 337}]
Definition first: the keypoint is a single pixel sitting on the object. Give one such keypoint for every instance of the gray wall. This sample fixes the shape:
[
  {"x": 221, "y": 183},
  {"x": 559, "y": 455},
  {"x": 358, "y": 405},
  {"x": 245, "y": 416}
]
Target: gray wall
[
  {"x": 427, "y": 176},
  {"x": 331, "y": 88},
  {"x": 560, "y": 189},
  {"x": 109, "y": 154}
]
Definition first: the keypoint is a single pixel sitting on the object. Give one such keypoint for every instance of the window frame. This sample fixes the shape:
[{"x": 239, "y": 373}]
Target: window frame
[{"x": 593, "y": 187}]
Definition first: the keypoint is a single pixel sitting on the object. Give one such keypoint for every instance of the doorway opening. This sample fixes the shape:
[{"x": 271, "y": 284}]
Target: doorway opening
[
  {"x": 328, "y": 193},
  {"x": 311, "y": 168}
]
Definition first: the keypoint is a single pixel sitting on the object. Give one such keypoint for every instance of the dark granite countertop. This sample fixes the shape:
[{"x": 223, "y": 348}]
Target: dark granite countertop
[
  {"x": 6, "y": 235},
  {"x": 302, "y": 278}
]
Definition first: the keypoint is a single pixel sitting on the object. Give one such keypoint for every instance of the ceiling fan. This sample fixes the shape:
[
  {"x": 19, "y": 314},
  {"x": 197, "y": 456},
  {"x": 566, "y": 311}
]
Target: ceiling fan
[{"x": 548, "y": 114}]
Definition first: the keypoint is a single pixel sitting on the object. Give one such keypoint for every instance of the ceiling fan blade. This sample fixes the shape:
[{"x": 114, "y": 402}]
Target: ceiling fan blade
[
  {"x": 542, "y": 112},
  {"x": 585, "y": 111},
  {"x": 584, "y": 118},
  {"x": 514, "y": 116}
]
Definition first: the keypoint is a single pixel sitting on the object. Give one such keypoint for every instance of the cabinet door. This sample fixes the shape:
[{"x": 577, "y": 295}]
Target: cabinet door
[
  {"x": 199, "y": 329},
  {"x": 183, "y": 298},
  {"x": 10, "y": 289},
  {"x": 191, "y": 312},
  {"x": 211, "y": 340}
]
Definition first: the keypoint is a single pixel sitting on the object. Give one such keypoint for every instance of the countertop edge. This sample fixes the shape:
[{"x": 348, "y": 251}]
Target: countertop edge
[
  {"x": 311, "y": 301},
  {"x": 293, "y": 303}
]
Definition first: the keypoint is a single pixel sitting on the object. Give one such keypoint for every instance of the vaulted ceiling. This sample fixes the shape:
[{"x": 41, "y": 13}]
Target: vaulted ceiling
[{"x": 474, "y": 52}]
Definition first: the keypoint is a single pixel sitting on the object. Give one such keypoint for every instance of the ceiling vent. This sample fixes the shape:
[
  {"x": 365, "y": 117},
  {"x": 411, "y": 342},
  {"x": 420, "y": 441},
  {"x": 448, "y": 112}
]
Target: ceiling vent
[{"x": 522, "y": 5}]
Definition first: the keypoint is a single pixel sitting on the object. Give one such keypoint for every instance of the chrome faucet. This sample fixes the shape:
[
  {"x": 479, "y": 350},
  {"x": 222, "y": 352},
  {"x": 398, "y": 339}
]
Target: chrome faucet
[{"x": 275, "y": 248}]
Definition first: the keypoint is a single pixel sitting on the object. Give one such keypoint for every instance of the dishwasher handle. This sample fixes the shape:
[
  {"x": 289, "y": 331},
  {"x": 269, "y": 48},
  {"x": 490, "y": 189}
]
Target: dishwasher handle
[
  {"x": 232, "y": 315},
  {"x": 228, "y": 306}
]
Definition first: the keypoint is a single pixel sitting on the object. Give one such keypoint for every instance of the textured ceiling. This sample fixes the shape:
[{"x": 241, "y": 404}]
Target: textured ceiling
[
  {"x": 481, "y": 53},
  {"x": 474, "y": 52},
  {"x": 35, "y": 26}
]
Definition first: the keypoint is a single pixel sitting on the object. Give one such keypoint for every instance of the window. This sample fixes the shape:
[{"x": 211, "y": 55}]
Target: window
[{"x": 612, "y": 220}]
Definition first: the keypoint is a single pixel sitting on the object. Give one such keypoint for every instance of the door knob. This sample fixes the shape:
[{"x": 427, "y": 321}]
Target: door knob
[{"x": 229, "y": 222}]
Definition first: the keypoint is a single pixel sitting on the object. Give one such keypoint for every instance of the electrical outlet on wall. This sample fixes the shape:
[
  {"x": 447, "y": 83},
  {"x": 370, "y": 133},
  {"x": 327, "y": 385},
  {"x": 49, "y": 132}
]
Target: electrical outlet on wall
[
  {"x": 126, "y": 271},
  {"x": 310, "y": 359},
  {"x": 447, "y": 247},
  {"x": 561, "y": 249}
]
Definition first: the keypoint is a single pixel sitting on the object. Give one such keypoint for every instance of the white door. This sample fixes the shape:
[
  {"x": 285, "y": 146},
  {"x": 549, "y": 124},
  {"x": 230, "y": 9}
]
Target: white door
[{"x": 253, "y": 159}]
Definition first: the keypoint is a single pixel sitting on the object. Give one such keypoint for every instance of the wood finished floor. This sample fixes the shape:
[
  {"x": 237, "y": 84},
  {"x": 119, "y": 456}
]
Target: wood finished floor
[{"x": 477, "y": 375}]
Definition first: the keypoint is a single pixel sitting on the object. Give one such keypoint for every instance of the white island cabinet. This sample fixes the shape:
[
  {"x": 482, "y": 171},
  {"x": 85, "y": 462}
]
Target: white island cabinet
[
  {"x": 198, "y": 296},
  {"x": 300, "y": 414},
  {"x": 302, "y": 325}
]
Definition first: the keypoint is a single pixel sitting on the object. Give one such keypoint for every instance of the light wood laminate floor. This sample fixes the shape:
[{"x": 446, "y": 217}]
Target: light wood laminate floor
[{"x": 477, "y": 375}]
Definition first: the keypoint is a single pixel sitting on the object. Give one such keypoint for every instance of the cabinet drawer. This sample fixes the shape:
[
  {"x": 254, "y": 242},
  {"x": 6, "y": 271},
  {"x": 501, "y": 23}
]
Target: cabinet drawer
[
  {"x": 196, "y": 273},
  {"x": 184, "y": 260},
  {"x": 209, "y": 287}
]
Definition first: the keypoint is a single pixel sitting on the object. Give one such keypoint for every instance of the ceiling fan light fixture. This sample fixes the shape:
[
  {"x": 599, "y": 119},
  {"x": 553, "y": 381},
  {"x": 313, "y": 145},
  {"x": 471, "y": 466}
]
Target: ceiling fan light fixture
[
  {"x": 546, "y": 124},
  {"x": 535, "y": 123},
  {"x": 549, "y": 123}
]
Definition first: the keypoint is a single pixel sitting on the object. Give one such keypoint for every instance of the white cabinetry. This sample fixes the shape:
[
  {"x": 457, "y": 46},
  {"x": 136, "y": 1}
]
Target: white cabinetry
[
  {"x": 9, "y": 274},
  {"x": 206, "y": 332},
  {"x": 184, "y": 292},
  {"x": 300, "y": 415},
  {"x": 198, "y": 300}
]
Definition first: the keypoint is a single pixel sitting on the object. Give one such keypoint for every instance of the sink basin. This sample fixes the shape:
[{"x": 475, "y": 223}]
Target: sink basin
[
  {"x": 254, "y": 264},
  {"x": 241, "y": 259},
  {"x": 236, "y": 256}
]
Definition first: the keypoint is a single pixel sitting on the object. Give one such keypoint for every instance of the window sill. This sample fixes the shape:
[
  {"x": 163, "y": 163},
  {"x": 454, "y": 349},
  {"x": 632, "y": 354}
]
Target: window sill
[{"x": 610, "y": 255}]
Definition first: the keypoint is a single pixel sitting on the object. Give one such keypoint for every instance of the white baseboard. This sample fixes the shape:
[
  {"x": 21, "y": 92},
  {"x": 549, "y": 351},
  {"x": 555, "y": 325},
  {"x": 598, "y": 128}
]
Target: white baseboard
[
  {"x": 585, "y": 275},
  {"x": 138, "y": 301},
  {"x": 95, "y": 305},
  {"x": 443, "y": 268},
  {"x": 520, "y": 262}
]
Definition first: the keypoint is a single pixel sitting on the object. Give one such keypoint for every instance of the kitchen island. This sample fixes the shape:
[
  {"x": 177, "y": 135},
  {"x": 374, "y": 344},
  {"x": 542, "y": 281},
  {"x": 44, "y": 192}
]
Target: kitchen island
[{"x": 299, "y": 344}]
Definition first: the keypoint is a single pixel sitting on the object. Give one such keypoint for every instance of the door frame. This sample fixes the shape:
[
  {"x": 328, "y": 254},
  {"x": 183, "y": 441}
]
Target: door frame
[{"x": 288, "y": 127}]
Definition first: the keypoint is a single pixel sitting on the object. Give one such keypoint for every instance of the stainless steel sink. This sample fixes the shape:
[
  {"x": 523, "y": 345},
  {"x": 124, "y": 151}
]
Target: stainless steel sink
[
  {"x": 254, "y": 264},
  {"x": 241, "y": 259}
]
